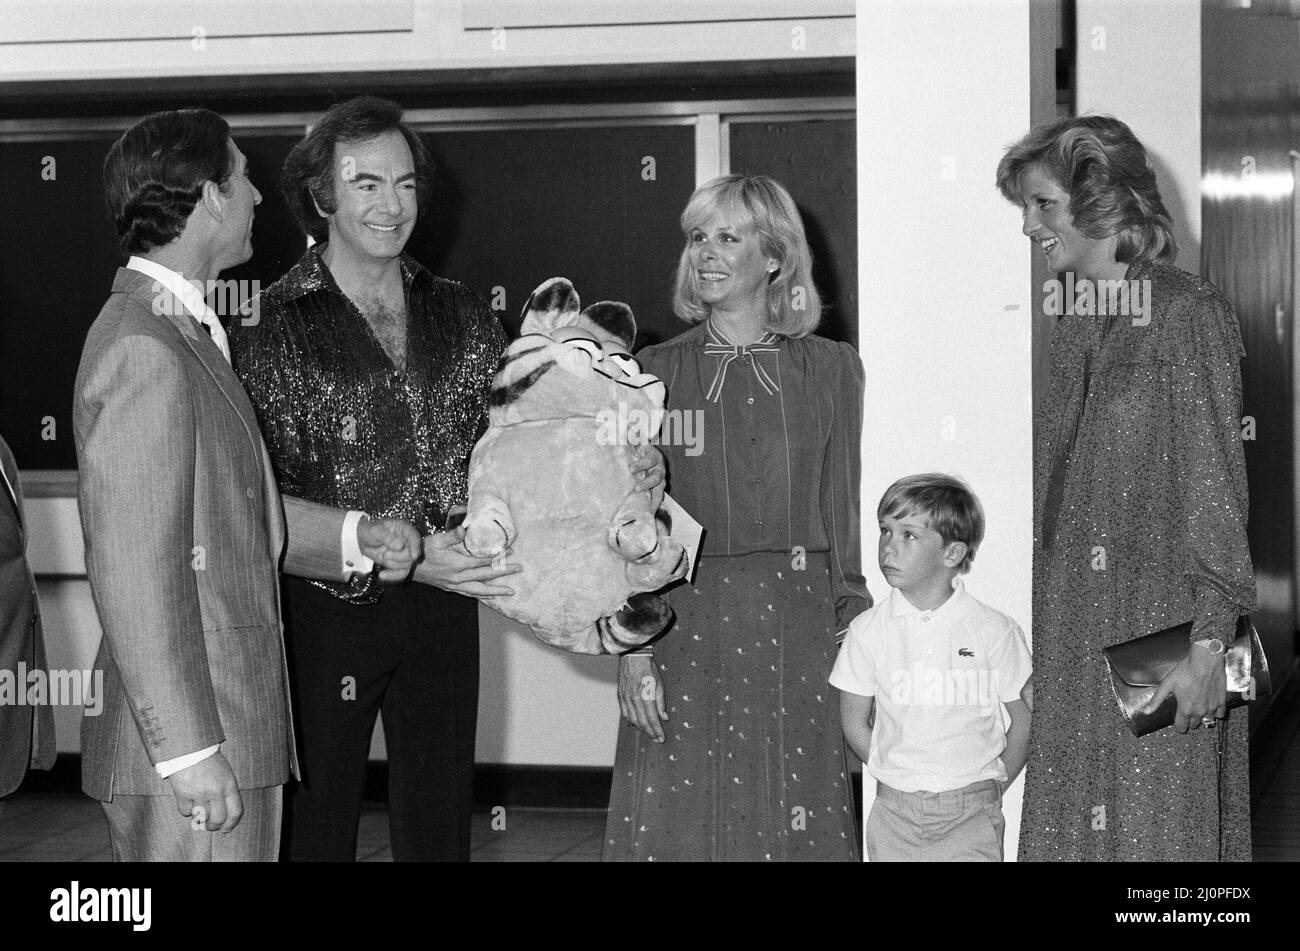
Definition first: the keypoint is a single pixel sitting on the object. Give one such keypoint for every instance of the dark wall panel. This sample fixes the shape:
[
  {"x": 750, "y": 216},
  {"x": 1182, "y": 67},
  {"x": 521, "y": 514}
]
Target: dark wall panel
[
  {"x": 512, "y": 207},
  {"x": 57, "y": 256},
  {"x": 816, "y": 161},
  {"x": 278, "y": 242},
  {"x": 1249, "y": 123},
  {"x": 515, "y": 207}
]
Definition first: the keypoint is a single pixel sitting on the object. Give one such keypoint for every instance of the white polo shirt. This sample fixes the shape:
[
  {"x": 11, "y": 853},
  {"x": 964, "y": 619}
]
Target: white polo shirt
[{"x": 939, "y": 678}]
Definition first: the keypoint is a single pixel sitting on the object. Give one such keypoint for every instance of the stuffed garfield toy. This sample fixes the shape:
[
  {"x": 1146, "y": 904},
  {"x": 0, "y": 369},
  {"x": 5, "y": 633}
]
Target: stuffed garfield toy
[{"x": 550, "y": 478}]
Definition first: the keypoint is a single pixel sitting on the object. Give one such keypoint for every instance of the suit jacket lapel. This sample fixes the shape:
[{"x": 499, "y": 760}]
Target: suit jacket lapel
[
  {"x": 223, "y": 375},
  {"x": 198, "y": 340}
]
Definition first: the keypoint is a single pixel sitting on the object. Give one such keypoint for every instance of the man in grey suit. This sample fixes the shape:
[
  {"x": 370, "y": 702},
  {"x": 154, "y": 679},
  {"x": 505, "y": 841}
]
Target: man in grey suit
[
  {"x": 26, "y": 730},
  {"x": 183, "y": 523}
]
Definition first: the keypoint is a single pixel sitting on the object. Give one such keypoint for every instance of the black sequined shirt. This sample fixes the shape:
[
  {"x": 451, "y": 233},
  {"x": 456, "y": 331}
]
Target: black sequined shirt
[{"x": 344, "y": 426}]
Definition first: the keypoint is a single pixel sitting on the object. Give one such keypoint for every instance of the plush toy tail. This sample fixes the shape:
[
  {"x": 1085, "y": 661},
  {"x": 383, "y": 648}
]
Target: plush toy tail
[{"x": 642, "y": 619}]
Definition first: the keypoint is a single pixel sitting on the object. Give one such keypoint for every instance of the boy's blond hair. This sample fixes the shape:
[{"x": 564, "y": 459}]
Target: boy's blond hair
[{"x": 949, "y": 505}]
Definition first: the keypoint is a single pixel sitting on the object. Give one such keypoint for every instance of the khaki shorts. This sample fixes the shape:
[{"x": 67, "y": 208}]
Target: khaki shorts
[{"x": 961, "y": 825}]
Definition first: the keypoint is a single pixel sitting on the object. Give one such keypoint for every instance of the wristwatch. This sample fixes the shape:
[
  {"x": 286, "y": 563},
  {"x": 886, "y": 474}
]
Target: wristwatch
[{"x": 1213, "y": 645}]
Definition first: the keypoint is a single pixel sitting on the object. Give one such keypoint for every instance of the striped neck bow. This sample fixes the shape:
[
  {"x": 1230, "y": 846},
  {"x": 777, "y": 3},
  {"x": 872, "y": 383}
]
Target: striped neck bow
[{"x": 719, "y": 346}]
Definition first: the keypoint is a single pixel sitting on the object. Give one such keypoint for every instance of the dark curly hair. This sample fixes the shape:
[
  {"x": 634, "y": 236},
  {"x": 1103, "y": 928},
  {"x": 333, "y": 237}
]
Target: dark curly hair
[
  {"x": 308, "y": 176},
  {"x": 154, "y": 174},
  {"x": 1112, "y": 186}
]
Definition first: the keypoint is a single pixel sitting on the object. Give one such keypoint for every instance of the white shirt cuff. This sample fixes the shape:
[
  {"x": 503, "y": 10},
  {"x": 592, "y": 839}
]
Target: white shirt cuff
[
  {"x": 353, "y": 561},
  {"x": 167, "y": 767}
]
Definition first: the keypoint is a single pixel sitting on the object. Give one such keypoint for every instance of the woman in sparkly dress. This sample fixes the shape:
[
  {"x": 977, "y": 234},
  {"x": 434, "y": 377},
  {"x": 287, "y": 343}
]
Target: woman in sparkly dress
[
  {"x": 730, "y": 745},
  {"x": 1139, "y": 513}
]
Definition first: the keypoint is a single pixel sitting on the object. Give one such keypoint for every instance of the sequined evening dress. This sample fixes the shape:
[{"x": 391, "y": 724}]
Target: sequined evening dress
[
  {"x": 1140, "y": 524},
  {"x": 754, "y": 763}
]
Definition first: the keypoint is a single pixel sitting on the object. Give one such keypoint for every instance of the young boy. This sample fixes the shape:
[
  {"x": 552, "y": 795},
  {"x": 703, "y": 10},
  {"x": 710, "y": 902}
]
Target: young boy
[{"x": 929, "y": 667}]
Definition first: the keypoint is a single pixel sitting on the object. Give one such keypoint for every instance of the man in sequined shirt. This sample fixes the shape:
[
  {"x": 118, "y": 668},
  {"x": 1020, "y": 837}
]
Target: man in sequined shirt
[{"x": 370, "y": 377}]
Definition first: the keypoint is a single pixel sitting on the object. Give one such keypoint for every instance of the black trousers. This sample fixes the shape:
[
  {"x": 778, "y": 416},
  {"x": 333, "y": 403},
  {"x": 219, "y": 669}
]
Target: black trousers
[{"x": 413, "y": 657}]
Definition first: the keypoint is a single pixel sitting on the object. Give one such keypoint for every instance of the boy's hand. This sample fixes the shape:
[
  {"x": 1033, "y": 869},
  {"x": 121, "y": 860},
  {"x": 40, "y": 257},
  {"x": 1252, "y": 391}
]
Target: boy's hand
[
  {"x": 1020, "y": 713},
  {"x": 856, "y": 717}
]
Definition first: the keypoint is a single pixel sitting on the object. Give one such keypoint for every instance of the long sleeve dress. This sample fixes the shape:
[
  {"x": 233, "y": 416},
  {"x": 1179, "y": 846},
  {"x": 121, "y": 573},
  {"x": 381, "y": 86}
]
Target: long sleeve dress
[
  {"x": 754, "y": 765},
  {"x": 1140, "y": 524}
]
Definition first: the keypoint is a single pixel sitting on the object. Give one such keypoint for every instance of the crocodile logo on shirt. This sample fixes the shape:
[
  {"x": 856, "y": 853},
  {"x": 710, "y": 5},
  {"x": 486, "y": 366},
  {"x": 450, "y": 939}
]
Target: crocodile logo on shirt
[{"x": 965, "y": 652}]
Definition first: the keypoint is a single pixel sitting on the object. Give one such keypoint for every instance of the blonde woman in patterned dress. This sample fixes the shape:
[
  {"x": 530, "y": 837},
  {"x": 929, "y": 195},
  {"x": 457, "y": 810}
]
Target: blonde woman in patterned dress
[
  {"x": 1140, "y": 515},
  {"x": 730, "y": 745}
]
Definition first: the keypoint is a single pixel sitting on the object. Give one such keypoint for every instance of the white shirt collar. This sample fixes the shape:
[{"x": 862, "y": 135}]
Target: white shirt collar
[
  {"x": 10, "y": 489},
  {"x": 899, "y": 606},
  {"x": 180, "y": 288}
]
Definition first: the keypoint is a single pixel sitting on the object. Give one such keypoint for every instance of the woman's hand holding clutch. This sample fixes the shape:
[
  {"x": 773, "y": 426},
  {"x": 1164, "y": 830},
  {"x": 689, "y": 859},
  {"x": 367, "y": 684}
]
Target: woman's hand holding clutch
[{"x": 1200, "y": 686}]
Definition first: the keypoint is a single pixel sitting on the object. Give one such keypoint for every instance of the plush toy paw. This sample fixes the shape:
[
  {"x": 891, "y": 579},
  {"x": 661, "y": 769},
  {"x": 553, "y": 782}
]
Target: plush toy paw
[
  {"x": 486, "y": 538},
  {"x": 643, "y": 618},
  {"x": 587, "y": 641},
  {"x": 668, "y": 563},
  {"x": 634, "y": 538}
]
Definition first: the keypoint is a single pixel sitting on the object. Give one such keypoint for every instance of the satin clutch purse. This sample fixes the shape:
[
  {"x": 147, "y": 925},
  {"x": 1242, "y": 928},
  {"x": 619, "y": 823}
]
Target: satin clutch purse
[{"x": 1138, "y": 666}]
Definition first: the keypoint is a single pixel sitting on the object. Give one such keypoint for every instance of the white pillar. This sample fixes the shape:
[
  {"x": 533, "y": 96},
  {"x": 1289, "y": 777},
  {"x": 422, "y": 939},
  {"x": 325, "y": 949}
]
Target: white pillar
[
  {"x": 943, "y": 89},
  {"x": 1141, "y": 63}
]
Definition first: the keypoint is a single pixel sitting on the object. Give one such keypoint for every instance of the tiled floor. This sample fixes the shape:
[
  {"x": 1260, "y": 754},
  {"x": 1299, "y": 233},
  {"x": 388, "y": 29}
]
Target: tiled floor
[
  {"x": 63, "y": 828},
  {"x": 53, "y": 828},
  {"x": 42, "y": 828},
  {"x": 520, "y": 835}
]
